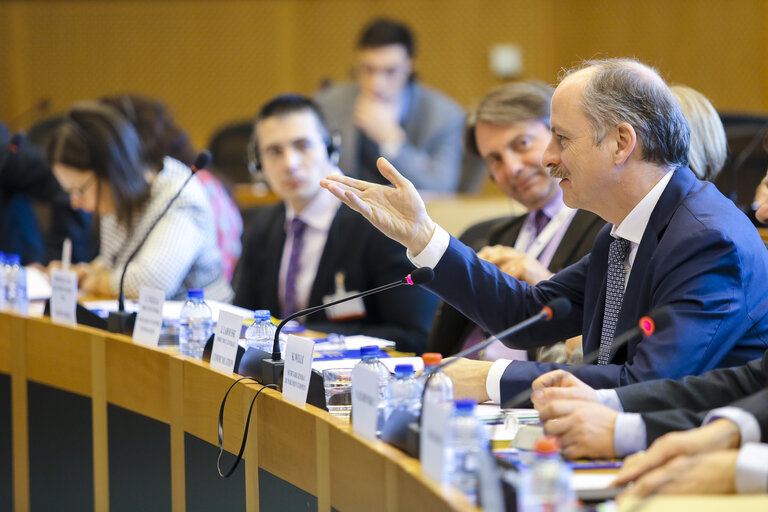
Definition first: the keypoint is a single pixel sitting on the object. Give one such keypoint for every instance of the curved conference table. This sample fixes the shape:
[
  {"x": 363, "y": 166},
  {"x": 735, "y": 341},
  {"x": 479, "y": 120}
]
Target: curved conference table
[{"x": 91, "y": 421}]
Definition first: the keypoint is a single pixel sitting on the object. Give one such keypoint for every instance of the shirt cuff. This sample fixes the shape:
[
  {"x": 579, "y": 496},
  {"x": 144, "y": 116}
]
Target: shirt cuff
[
  {"x": 493, "y": 381},
  {"x": 749, "y": 428},
  {"x": 431, "y": 254},
  {"x": 752, "y": 469},
  {"x": 628, "y": 434},
  {"x": 609, "y": 398}
]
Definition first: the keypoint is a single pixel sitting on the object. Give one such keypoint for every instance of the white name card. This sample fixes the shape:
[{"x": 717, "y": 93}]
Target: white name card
[
  {"x": 298, "y": 368},
  {"x": 433, "y": 440},
  {"x": 365, "y": 401},
  {"x": 225, "y": 341},
  {"x": 149, "y": 320},
  {"x": 63, "y": 297}
]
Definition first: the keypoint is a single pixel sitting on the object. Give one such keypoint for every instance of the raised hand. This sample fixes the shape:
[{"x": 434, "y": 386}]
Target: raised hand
[{"x": 397, "y": 211}]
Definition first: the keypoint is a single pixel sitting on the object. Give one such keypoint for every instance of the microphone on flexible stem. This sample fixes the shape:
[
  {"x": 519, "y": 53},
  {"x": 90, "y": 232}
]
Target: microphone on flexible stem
[
  {"x": 272, "y": 369},
  {"x": 17, "y": 140},
  {"x": 402, "y": 429},
  {"x": 646, "y": 326},
  {"x": 120, "y": 321}
]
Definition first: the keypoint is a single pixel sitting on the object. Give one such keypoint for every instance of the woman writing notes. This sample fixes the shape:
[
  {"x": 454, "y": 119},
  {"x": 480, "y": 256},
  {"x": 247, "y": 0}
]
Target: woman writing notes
[{"x": 97, "y": 157}]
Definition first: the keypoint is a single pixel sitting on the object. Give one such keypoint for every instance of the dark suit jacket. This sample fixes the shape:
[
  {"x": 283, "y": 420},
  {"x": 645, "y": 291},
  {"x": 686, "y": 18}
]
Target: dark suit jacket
[
  {"x": 668, "y": 405},
  {"x": 699, "y": 255},
  {"x": 367, "y": 258},
  {"x": 450, "y": 328}
]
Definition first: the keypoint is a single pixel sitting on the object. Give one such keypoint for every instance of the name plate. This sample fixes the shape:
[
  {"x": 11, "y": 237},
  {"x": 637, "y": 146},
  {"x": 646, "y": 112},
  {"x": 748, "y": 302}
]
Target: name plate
[
  {"x": 298, "y": 368},
  {"x": 433, "y": 440},
  {"x": 225, "y": 341},
  {"x": 63, "y": 297},
  {"x": 365, "y": 401},
  {"x": 149, "y": 320}
]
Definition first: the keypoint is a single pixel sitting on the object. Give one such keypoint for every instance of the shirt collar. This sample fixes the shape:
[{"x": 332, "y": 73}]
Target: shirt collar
[
  {"x": 633, "y": 226},
  {"x": 319, "y": 212}
]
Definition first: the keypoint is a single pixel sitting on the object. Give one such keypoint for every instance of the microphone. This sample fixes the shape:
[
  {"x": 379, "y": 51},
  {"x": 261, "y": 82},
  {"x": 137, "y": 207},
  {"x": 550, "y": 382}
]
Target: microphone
[
  {"x": 402, "y": 429},
  {"x": 17, "y": 141},
  {"x": 119, "y": 321},
  {"x": 557, "y": 308},
  {"x": 646, "y": 326},
  {"x": 272, "y": 369},
  {"x": 14, "y": 144}
]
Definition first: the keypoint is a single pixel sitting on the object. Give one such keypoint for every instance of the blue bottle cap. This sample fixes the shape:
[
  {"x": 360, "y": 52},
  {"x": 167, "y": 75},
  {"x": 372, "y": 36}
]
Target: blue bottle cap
[
  {"x": 403, "y": 370},
  {"x": 195, "y": 293},
  {"x": 369, "y": 350},
  {"x": 13, "y": 259},
  {"x": 262, "y": 314},
  {"x": 465, "y": 405}
]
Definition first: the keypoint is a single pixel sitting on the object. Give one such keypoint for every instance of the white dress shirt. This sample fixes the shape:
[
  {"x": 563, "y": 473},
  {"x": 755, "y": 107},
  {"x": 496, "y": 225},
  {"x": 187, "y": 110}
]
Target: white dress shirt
[{"x": 318, "y": 216}]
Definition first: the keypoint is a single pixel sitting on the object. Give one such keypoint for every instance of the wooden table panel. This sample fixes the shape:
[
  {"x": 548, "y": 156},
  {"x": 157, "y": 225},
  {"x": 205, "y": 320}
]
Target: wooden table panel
[
  {"x": 59, "y": 356},
  {"x": 137, "y": 378}
]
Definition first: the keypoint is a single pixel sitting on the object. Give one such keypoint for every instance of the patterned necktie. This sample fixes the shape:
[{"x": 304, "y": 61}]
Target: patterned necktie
[
  {"x": 297, "y": 229},
  {"x": 614, "y": 295},
  {"x": 540, "y": 221}
]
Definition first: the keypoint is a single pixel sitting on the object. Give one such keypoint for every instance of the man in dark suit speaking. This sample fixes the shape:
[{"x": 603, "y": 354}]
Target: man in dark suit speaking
[
  {"x": 619, "y": 144},
  {"x": 509, "y": 129},
  {"x": 310, "y": 248}
]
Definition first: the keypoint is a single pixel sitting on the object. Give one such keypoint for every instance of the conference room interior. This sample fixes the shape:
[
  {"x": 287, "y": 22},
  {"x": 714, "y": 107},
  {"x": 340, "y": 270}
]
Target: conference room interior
[{"x": 214, "y": 64}]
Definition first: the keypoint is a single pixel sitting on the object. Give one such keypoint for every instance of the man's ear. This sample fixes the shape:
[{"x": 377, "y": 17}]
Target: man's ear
[{"x": 625, "y": 142}]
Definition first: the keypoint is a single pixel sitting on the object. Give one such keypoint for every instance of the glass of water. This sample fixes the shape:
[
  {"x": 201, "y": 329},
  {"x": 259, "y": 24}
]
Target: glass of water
[{"x": 338, "y": 391}]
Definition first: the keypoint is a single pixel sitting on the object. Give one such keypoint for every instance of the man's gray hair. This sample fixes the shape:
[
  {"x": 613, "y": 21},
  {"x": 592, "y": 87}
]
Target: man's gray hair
[
  {"x": 509, "y": 104},
  {"x": 626, "y": 91}
]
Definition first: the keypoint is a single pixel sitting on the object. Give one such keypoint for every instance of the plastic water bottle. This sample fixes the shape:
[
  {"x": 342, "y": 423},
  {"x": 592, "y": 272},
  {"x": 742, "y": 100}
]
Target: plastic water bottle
[
  {"x": 370, "y": 356},
  {"x": 467, "y": 444},
  {"x": 404, "y": 391},
  {"x": 2, "y": 281},
  {"x": 545, "y": 485},
  {"x": 439, "y": 387},
  {"x": 261, "y": 333},
  {"x": 195, "y": 324},
  {"x": 15, "y": 285}
]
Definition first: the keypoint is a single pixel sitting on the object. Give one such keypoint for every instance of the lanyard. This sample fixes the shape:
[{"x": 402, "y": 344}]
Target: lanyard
[{"x": 534, "y": 247}]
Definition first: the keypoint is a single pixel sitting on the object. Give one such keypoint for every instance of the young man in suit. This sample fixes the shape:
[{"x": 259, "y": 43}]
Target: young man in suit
[
  {"x": 510, "y": 130},
  {"x": 387, "y": 112},
  {"x": 619, "y": 145},
  {"x": 310, "y": 247}
]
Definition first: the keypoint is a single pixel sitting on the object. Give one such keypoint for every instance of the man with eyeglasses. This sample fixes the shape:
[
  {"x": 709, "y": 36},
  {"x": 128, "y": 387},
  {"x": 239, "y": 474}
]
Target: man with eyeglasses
[{"x": 387, "y": 112}]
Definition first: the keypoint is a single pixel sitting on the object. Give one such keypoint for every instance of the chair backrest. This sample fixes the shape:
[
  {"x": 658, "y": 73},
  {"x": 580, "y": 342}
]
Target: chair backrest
[
  {"x": 229, "y": 152},
  {"x": 747, "y": 156}
]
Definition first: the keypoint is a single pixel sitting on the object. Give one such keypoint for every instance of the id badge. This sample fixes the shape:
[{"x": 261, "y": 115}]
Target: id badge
[{"x": 354, "y": 308}]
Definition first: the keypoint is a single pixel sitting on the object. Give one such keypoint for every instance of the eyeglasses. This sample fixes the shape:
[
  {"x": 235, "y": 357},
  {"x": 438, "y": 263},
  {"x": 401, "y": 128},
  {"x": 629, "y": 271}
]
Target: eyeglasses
[{"x": 82, "y": 189}]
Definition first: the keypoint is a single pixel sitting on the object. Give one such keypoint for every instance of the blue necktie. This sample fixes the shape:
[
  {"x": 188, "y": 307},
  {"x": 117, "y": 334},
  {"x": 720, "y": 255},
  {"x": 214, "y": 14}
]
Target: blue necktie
[
  {"x": 290, "y": 303},
  {"x": 614, "y": 295}
]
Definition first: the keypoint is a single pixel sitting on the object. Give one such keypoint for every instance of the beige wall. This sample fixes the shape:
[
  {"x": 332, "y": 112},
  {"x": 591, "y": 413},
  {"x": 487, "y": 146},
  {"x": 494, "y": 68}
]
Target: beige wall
[{"x": 214, "y": 61}]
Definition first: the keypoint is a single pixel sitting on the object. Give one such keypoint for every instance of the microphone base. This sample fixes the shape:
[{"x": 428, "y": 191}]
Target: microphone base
[
  {"x": 121, "y": 322},
  {"x": 272, "y": 372}
]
